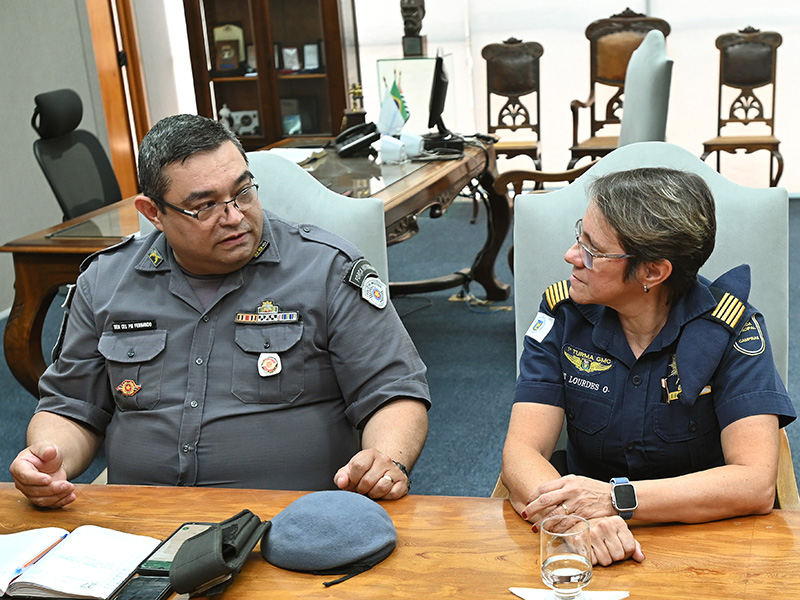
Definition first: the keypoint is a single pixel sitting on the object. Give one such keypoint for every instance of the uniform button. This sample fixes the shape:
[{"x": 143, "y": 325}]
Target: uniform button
[
  {"x": 266, "y": 344},
  {"x": 186, "y": 447},
  {"x": 636, "y": 380},
  {"x": 629, "y": 446},
  {"x": 306, "y": 228},
  {"x": 198, "y": 361},
  {"x": 692, "y": 427},
  {"x": 571, "y": 414},
  {"x": 193, "y": 403},
  {"x": 205, "y": 318},
  {"x": 131, "y": 353}
]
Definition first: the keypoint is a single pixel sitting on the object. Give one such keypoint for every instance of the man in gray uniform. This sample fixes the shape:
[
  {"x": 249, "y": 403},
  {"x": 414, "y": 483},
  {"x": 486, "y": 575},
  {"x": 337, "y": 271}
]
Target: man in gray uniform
[{"x": 227, "y": 348}]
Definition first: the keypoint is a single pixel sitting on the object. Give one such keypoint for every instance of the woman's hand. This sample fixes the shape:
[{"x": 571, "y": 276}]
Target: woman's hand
[
  {"x": 571, "y": 494},
  {"x": 612, "y": 541}
]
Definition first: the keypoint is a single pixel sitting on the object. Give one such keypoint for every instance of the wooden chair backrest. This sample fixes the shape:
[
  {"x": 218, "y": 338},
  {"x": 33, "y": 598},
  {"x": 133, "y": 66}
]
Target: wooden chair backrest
[{"x": 611, "y": 43}]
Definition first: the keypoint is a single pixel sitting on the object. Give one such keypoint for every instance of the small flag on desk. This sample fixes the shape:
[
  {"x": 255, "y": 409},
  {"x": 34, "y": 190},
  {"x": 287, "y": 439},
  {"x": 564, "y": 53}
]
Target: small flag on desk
[{"x": 394, "y": 111}]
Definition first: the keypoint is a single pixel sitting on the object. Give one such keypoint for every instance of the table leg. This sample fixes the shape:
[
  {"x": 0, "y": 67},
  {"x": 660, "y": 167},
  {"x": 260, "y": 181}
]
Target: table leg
[
  {"x": 35, "y": 286},
  {"x": 499, "y": 222}
]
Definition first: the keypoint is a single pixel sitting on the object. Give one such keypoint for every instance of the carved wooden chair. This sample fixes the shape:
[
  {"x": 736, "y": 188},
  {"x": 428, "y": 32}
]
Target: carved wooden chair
[
  {"x": 747, "y": 64},
  {"x": 512, "y": 72},
  {"x": 611, "y": 43}
]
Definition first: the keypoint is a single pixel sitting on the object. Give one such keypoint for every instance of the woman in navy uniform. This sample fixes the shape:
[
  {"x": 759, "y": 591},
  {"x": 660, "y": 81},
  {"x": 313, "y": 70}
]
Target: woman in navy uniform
[{"x": 671, "y": 396}]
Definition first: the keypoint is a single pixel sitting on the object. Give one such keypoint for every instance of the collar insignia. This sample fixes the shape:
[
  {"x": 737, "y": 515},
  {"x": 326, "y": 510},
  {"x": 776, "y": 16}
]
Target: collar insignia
[
  {"x": 261, "y": 247},
  {"x": 155, "y": 257}
]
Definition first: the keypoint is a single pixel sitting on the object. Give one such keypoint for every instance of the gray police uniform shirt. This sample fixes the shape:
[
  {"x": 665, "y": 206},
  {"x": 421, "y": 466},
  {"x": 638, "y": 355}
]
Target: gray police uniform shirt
[{"x": 266, "y": 387}]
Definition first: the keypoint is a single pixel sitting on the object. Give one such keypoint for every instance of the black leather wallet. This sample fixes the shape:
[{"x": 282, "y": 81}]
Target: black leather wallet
[{"x": 207, "y": 563}]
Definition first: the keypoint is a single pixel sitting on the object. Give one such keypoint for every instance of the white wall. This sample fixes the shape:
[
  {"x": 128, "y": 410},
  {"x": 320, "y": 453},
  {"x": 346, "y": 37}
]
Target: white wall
[
  {"x": 463, "y": 27},
  {"x": 38, "y": 55}
]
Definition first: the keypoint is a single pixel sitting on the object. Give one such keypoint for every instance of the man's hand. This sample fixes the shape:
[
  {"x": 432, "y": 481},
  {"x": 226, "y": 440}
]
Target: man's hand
[
  {"x": 372, "y": 473},
  {"x": 38, "y": 473}
]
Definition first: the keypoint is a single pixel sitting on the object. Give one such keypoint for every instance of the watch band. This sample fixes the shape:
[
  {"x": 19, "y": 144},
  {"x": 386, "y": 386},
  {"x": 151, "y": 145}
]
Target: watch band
[
  {"x": 615, "y": 481},
  {"x": 402, "y": 467}
]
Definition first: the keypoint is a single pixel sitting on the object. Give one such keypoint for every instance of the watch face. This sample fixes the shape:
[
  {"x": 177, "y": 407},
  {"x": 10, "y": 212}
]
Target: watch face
[{"x": 625, "y": 497}]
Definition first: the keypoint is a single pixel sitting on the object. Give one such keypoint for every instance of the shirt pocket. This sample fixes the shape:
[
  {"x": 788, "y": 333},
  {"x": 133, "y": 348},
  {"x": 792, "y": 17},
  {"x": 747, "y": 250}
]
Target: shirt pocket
[
  {"x": 285, "y": 341},
  {"x": 587, "y": 422},
  {"x": 688, "y": 436},
  {"x": 134, "y": 374}
]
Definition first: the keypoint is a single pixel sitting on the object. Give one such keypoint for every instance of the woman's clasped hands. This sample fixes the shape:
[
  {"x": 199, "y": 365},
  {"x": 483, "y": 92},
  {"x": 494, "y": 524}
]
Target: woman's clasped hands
[{"x": 612, "y": 540}]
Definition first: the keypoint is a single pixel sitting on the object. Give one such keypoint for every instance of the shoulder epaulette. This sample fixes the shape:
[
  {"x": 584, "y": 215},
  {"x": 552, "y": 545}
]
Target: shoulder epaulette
[
  {"x": 557, "y": 293},
  {"x": 113, "y": 248},
  {"x": 729, "y": 308},
  {"x": 323, "y": 236}
]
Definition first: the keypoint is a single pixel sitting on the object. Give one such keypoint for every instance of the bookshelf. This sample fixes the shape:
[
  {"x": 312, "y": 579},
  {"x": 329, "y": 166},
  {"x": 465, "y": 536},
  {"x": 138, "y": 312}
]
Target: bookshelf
[{"x": 273, "y": 68}]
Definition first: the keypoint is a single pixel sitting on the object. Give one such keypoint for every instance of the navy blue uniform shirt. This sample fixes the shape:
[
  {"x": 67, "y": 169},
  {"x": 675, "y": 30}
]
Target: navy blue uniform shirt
[{"x": 660, "y": 415}]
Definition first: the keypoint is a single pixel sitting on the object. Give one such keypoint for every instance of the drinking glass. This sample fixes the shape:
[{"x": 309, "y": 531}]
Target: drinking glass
[{"x": 566, "y": 555}]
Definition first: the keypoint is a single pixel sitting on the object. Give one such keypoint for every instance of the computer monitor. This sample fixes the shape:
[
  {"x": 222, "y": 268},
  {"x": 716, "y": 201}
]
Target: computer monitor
[{"x": 438, "y": 96}]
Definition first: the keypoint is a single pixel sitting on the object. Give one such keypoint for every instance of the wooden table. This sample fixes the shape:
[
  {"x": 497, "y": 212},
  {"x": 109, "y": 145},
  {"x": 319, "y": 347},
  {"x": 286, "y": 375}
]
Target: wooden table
[
  {"x": 43, "y": 262},
  {"x": 455, "y": 547},
  {"x": 431, "y": 186}
]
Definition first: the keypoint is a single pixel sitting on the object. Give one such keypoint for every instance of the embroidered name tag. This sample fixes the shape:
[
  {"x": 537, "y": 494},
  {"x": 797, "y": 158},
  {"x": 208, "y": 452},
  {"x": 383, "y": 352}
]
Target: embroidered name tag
[{"x": 123, "y": 326}]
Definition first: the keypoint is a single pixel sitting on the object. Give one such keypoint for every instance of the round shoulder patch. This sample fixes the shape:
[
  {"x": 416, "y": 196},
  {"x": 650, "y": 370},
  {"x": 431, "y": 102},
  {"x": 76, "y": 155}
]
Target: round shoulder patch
[{"x": 751, "y": 339}]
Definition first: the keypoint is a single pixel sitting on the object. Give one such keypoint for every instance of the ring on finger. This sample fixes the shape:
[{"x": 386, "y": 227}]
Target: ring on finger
[
  {"x": 389, "y": 477},
  {"x": 566, "y": 510}
]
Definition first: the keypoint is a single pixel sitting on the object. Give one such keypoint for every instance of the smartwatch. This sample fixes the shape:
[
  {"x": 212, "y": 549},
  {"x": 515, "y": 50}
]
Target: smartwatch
[{"x": 623, "y": 497}]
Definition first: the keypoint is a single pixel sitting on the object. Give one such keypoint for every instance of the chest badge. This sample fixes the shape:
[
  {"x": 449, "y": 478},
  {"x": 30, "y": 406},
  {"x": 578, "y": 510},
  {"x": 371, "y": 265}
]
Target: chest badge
[
  {"x": 269, "y": 364},
  {"x": 586, "y": 362},
  {"x": 128, "y": 387},
  {"x": 267, "y": 312}
]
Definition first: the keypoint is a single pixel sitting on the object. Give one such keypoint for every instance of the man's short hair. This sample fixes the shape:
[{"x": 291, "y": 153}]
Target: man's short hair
[{"x": 175, "y": 139}]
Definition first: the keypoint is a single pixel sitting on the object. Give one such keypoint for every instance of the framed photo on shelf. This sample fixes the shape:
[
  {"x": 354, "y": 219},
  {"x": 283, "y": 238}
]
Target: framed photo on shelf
[
  {"x": 291, "y": 59},
  {"x": 227, "y": 56},
  {"x": 231, "y": 32},
  {"x": 311, "y": 57}
]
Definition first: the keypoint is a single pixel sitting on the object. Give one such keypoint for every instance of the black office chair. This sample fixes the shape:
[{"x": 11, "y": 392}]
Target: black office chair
[{"x": 73, "y": 160}]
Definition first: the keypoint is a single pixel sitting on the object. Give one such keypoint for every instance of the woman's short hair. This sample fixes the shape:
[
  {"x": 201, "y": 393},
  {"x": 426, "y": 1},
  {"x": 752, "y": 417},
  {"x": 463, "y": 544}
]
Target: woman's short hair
[
  {"x": 173, "y": 139},
  {"x": 660, "y": 213}
]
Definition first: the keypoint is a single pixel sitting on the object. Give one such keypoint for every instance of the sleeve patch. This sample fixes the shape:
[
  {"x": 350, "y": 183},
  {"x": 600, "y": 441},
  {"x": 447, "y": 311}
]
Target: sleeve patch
[
  {"x": 364, "y": 276},
  {"x": 751, "y": 339},
  {"x": 540, "y": 327}
]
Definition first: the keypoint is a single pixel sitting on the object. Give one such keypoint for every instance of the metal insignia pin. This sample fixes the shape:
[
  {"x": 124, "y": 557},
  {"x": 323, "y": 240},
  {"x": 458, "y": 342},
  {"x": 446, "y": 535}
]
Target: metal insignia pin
[
  {"x": 128, "y": 387},
  {"x": 269, "y": 364}
]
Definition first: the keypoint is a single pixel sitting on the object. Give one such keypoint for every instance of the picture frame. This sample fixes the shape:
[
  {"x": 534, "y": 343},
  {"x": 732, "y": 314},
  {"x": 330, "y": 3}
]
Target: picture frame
[
  {"x": 291, "y": 59},
  {"x": 311, "y": 57},
  {"x": 223, "y": 32},
  {"x": 227, "y": 56}
]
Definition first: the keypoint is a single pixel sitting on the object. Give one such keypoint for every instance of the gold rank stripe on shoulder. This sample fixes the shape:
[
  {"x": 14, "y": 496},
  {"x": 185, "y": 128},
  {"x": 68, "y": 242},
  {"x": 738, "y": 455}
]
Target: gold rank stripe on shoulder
[
  {"x": 556, "y": 293},
  {"x": 729, "y": 310}
]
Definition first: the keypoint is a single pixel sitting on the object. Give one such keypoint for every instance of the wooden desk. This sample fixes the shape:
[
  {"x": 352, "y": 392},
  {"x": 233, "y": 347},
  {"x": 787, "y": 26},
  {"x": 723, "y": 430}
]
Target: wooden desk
[
  {"x": 43, "y": 262},
  {"x": 409, "y": 189},
  {"x": 451, "y": 547}
]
